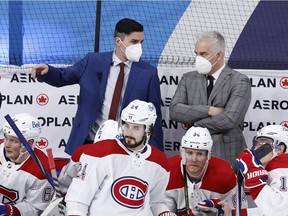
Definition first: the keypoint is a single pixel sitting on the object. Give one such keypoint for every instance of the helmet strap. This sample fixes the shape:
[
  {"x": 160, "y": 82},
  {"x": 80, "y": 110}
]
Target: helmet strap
[{"x": 22, "y": 155}]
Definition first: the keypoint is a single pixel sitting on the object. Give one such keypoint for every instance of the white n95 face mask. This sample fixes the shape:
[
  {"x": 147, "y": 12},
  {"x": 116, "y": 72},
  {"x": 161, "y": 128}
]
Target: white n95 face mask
[
  {"x": 203, "y": 65},
  {"x": 133, "y": 52}
]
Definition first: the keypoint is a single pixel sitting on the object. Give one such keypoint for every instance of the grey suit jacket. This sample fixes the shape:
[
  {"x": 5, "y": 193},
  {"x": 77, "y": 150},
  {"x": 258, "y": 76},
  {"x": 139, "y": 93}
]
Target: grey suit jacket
[{"x": 232, "y": 91}]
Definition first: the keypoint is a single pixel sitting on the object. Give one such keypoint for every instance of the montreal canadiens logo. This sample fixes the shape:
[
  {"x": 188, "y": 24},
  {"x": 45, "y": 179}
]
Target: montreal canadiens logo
[{"x": 129, "y": 191}]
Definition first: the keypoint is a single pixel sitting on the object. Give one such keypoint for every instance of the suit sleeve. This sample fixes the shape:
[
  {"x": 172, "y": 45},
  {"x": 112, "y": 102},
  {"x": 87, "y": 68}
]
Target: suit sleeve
[
  {"x": 234, "y": 111},
  {"x": 59, "y": 77},
  {"x": 181, "y": 110}
]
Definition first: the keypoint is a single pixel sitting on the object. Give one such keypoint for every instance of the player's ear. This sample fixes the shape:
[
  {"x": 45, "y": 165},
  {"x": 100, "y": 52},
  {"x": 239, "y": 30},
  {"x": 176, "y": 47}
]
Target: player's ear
[{"x": 30, "y": 142}]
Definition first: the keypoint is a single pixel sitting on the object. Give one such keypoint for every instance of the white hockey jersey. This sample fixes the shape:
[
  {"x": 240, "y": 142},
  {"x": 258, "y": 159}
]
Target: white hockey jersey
[
  {"x": 219, "y": 181},
  {"x": 23, "y": 185},
  {"x": 273, "y": 198},
  {"x": 116, "y": 181}
]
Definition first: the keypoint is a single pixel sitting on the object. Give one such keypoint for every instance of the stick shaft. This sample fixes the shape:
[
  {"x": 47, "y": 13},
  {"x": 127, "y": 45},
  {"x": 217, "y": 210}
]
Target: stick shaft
[
  {"x": 183, "y": 156},
  {"x": 53, "y": 172},
  {"x": 52, "y": 166},
  {"x": 239, "y": 191},
  {"x": 186, "y": 190}
]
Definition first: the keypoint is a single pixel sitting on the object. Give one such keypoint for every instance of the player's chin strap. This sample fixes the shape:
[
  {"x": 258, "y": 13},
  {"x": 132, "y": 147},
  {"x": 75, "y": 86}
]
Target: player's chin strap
[
  {"x": 21, "y": 157},
  {"x": 148, "y": 135}
]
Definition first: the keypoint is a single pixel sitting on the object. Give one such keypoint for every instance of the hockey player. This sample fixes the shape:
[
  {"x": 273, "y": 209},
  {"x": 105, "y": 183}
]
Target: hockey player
[
  {"x": 265, "y": 171},
  {"x": 24, "y": 190},
  {"x": 126, "y": 177},
  {"x": 108, "y": 130},
  {"x": 206, "y": 182}
]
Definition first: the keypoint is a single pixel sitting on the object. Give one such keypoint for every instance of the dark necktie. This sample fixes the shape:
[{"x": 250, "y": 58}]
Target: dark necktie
[
  {"x": 210, "y": 85},
  {"x": 117, "y": 93}
]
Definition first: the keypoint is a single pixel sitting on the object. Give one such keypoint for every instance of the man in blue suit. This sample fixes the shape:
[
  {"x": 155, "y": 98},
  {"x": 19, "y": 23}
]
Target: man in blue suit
[{"x": 97, "y": 75}]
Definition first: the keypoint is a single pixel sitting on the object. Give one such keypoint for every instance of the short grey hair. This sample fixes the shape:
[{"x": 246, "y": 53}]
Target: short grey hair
[{"x": 217, "y": 40}]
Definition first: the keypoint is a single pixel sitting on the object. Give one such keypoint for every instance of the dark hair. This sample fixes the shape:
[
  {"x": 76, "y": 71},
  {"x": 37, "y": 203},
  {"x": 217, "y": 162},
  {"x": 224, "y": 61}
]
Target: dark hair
[
  {"x": 285, "y": 147},
  {"x": 127, "y": 26},
  {"x": 152, "y": 131}
]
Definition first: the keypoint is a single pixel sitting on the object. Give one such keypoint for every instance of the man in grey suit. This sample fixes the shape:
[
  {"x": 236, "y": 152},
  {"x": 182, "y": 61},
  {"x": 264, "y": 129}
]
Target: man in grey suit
[{"x": 223, "y": 111}]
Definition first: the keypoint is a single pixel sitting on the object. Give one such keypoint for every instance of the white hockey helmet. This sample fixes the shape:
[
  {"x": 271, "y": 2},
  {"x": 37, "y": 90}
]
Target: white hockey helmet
[
  {"x": 28, "y": 125},
  {"x": 278, "y": 133},
  {"x": 197, "y": 138},
  {"x": 140, "y": 112},
  {"x": 108, "y": 130}
]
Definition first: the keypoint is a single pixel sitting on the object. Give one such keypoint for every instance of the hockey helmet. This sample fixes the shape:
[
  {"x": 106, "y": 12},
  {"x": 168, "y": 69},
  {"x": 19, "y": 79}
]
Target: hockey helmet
[
  {"x": 140, "y": 112},
  {"x": 108, "y": 130},
  {"x": 28, "y": 125},
  {"x": 278, "y": 133},
  {"x": 197, "y": 138}
]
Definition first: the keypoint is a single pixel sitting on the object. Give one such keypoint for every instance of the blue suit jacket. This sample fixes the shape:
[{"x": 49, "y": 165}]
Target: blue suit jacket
[{"x": 91, "y": 73}]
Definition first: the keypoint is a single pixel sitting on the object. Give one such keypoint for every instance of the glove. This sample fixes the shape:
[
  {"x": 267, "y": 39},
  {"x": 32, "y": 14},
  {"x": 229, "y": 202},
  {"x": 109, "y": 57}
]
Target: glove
[
  {"x": 9, "y": 210},
  {"x": 206, "y": 205},
  {"x": 167, "y": 213},
  {"x": 183, "y": 212},
  {"x": 252, "y": 169},
  {"x": 67, "y": 174}
]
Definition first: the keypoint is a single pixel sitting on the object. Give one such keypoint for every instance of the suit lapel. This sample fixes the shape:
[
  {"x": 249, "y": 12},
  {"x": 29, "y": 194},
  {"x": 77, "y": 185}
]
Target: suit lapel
[
  {"x": 203, "y": 85},
  {"x": 134, "y": 73},
  {"x": 220, "y": 82},
  {"x": 106, "y": 70}
]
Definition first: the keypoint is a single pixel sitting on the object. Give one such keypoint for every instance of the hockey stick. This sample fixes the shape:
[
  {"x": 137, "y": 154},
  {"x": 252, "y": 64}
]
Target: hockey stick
[
  {"x": 185, "y": 181},
  {"x": 29, "y": 149},
  {"x": 0, "y": 100},
  {"x": 239, "y": 191},
  {"x": 59, "y": 194}
]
